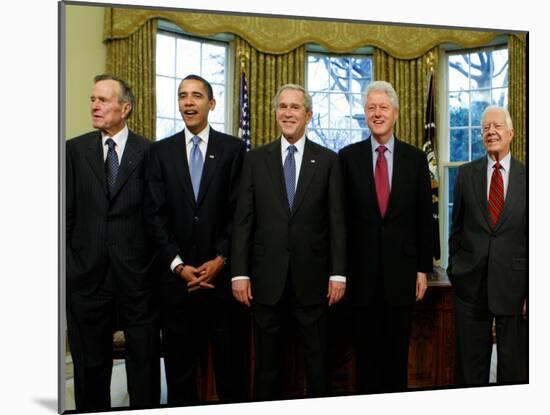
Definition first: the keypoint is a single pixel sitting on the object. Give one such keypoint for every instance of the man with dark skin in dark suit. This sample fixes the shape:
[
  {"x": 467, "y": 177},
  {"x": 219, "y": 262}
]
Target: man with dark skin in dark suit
[
  {"x": 108, "y": 257},
  {"x": 288, "y": 257},
  {"x": 191, "y": 195},
  {"x": 488, "y": 259}
]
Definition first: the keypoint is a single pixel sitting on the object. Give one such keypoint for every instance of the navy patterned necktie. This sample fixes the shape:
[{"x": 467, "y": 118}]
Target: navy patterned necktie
[
  {"x": 196, "y": 164},
  {"x": 289, "y": 169},
  {"x": 111, "y": 165}
]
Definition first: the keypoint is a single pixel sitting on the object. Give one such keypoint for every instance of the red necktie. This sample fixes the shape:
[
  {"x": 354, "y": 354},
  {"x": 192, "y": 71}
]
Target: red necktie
[
  {"x": 496, "y": 195},
  {"x": 381, "y": 181}
]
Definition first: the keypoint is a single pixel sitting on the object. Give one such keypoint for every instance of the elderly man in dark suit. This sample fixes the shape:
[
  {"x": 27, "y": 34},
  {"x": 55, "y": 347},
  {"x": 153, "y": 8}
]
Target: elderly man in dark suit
[
  {"x": 108, "y": 258},
  {"x": 191, "y": 195},
  {"x": 390, "y": 242},
  {"x": 288, "y": 256},
  {"x": 488, "y": 258}
]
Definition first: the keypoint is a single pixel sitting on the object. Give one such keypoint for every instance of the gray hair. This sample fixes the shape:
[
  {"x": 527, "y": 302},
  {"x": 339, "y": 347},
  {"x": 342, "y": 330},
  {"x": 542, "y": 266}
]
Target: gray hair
[
  {"x": 308, "y": 102},
  {"x": 507, "y": 116},
  {"x": 126, "y": 94},
  {"x": 382, "y": 86}
]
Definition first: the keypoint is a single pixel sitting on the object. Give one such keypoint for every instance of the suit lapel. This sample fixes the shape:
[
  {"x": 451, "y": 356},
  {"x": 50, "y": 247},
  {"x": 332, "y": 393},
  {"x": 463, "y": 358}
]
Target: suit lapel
[
  {"x": 515, "y": 179},
  {"x": 95, "y": 159},
  {"x": 479, "y": 179},
  {"x": 181, "y": 166},
  {"x": 307, "y": 171},
  {"x": 275, "y": 167},
  {"x": 365, "y": 157},
  {"x": 214, "y": 153},
  {"x": 133, "y": 152},
  {"x": 398, "y": 179}
]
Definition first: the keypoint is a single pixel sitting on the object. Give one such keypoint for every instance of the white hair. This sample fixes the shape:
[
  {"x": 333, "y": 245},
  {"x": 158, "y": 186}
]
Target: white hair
[
  {"x": 382, "y": 86},
  {"x": 507, "y": 116}
]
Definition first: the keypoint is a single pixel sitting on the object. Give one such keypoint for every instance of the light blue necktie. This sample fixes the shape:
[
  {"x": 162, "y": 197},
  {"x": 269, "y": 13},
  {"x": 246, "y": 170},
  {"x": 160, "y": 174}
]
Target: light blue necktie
[
  {"x": 289, "y": 168},
  {"x": 111, "y": 165},
  {"x": 196, "y": 164}
]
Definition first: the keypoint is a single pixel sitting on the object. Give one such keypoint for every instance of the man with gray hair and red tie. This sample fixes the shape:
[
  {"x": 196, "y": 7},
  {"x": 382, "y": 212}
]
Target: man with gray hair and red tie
[
  {"x": 390, "y": 242},
  {"x": 488, "y": 259}
]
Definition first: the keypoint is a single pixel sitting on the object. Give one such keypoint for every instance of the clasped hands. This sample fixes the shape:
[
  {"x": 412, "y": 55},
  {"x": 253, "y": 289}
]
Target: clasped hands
[{"x": 201, "y": 277}]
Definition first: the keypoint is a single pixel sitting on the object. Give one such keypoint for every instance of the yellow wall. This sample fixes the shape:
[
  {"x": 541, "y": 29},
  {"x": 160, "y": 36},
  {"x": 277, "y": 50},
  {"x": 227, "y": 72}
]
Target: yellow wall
[{"x": 85, "y": 58}]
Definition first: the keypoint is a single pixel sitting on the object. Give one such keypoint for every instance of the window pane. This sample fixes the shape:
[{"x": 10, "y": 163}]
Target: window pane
[
  {"x": 188, "y": 57},
  {"x": 318, "y": 75},
  {"x": 339, "y": 74},
  {"x": 213, "y": 63},
  {"x": 359, "y": 135},
  {"x": 458, "y": 73},
  {"x": 165, "y": 55},
  {"x": 339, "y": 111},
  {"x": 459, "y": 102},
  {"x": 459, "y": 146},
  {"x": 480, "y": 101},
  {"x": 478, "y": 150},
  {"x": 500, "y": 97},
  {"x": 319, "y": 136},
  {"x": 320, "y": 110},
  {"x": 218, "y": 126},
  {"x": 218, "y": 115},
  {"x": 361, "y": 74},
  {"x": 357, "y": 112},
  {"x": 339, "y": 139},
  {"x": 500, "y": 68},
  {"x": 165, "y": 128},
  {"x": 166, "y": 97},
  {"x": 179, "y": 125},
  {"x": 481, "y": 70}
]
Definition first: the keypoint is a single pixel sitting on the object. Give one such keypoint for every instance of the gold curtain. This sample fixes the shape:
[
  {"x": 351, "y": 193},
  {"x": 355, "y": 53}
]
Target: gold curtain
[
  {"x": 517, "y": 89},
  {"x": 278, "y": 35},
  {"x": 265, "y": 73},
  {"x": 410, "y": 78},
  {"x": 133, "y": 59}
]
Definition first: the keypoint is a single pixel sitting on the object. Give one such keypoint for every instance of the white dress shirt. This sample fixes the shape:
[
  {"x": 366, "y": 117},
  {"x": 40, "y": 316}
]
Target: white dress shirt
[
  {"x": 119, "y": 138},
  {"x": 505, "y": 171}
]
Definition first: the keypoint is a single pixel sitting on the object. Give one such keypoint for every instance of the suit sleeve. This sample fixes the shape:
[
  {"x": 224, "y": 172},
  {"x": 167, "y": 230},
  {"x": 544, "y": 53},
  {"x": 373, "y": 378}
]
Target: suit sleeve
[
  {"x": 337, "y": 220},
  {"x": 425, "y": 220},
  {"x": 457, "y": 216},
  {"x": 243, "y": 224},
  {"x": 69, "y": 192},
  {"x": 155, "y": 208},
  {"x": 223, "y": 242}
]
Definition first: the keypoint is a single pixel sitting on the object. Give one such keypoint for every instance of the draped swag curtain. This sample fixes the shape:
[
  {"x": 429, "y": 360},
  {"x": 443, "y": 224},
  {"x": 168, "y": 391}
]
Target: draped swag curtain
[
  {"x": 517, "y": 104},
  {"x": 133, "y": 59},
  {"x": 265, "y": 73},
  {"x": 410, "y": 79}
]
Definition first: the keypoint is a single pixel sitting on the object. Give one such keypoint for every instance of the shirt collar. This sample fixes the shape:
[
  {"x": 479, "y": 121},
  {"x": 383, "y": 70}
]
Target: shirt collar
[
  {"x": 119, "y": 138},
  {"x": 504, "y": 163},
  {"x": 204, "y": 134},
  {"x": 300, "y": 145},
  {"x": 389, "y": 145}
]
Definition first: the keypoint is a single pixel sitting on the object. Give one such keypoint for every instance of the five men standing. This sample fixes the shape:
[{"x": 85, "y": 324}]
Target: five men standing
[{"x": 287, "y": 233}]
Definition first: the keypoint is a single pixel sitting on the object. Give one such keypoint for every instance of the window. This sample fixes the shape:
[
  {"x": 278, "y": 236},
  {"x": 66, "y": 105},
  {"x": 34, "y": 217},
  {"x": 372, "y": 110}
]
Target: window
[
  {"x": 178, "y": 56},
  {"x": 336, "y": 84},
  {"x": 474, "y": 81}
]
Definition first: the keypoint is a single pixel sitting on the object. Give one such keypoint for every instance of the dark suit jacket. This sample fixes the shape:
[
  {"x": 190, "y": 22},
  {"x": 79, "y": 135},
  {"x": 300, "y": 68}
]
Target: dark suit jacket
[
  {"x": 270, "y": 242},
  {"x": 199, "y": 230},
  {"x": 103, "y": 231},
  {"x": 396, "y": 247},
  {"x": 476, "y": 251}
]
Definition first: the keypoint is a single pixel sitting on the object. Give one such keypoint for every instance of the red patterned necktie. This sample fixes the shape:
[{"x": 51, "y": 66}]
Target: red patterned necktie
[
  {"x": 496, "y": 195},
  {"x": 381, "y": 180}
]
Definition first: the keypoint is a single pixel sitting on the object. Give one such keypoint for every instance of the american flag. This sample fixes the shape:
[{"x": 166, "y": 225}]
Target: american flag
[
  {"x": 429, "y": 148},
  {"x": 244, "y": 117}
]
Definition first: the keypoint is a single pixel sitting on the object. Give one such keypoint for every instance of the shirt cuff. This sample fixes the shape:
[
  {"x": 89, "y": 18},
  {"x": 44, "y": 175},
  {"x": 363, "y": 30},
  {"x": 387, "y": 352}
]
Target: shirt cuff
[
  {"x": 177, "y": 260},
  {"x": 240, "y": 277},
  {"x": 337, "y": 278}
]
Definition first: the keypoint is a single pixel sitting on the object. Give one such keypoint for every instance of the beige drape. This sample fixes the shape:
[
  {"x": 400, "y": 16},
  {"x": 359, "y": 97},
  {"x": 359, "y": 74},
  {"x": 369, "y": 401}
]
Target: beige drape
[
  {"x": 133, "y": 59},
  {"x": 410, "y": 79},
  {"x": 265, "y": 73},
  {"x": 517, "y": 103}
]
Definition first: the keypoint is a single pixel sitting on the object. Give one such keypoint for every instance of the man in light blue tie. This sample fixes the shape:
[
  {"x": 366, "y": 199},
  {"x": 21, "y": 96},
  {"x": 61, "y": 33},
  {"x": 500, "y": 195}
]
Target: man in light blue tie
[{"x": 191, "y": 195}]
